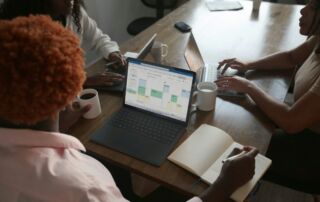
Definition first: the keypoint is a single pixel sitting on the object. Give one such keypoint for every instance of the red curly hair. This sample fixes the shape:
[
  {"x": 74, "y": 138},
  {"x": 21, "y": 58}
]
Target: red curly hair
[{"x": 41, "y": 69}]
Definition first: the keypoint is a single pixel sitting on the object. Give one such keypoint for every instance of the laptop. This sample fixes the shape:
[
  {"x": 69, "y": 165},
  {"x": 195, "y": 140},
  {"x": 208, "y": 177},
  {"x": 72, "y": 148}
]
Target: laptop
[
  {"x": 144, "y": 51},
  {"x": 154, "y": 115},
  {"x": 207, "y": 72},
  {"x": 140, "y": 55}
]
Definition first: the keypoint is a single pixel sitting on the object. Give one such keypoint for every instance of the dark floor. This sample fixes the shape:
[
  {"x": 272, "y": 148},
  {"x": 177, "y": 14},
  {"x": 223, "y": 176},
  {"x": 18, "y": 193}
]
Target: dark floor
[{"x": 163, "y": 194}]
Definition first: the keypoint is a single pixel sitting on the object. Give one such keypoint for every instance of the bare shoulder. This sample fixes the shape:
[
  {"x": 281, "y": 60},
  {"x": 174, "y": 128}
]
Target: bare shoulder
[{"x": 303, "y": 51}]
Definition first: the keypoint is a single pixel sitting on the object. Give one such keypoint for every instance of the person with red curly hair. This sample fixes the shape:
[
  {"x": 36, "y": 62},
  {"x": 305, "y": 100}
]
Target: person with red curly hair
[
  {"x": 41, "y": 72},
  {"x": 72, "y": 15}
]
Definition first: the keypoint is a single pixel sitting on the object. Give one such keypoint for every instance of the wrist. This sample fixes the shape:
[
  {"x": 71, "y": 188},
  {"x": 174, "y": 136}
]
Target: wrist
[
  {"x": 250, "y": 87},
  {"x": 115, "y": 53},
  {"x": 227, "y": 185},
  {"x": 250, "y": 65},
  {"x": 220, "y": 190}
]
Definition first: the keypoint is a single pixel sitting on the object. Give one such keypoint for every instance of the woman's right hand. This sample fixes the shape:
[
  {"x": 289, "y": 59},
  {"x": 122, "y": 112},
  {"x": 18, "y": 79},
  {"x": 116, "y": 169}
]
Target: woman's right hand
[
  {"x": 104, "y": 79},
  {"x": 234, "y": 174},
  {"x": 233, "y": 63},
  {"x": 240, "y": 170}
]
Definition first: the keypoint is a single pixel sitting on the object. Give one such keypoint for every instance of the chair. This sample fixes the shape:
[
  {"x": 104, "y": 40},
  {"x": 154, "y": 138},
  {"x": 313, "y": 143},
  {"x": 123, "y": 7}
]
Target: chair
[{"x": 141, "y": 24}]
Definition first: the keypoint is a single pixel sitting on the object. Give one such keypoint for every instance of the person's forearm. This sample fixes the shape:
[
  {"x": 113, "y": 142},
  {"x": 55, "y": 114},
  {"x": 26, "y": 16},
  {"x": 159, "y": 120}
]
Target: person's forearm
[
  {"x": 277, "y": 111},
  {"x": 220, "y": 191},
  {"x": 281, "y": 60}
]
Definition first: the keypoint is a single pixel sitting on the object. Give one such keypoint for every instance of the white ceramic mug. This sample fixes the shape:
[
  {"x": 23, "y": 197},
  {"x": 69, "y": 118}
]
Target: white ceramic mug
[
  {"x": 90, "y": 97},
  {"x": 159, "y": 51},
  {"x": 256, "y": 5},
  {"x": 206, "y": 96}
]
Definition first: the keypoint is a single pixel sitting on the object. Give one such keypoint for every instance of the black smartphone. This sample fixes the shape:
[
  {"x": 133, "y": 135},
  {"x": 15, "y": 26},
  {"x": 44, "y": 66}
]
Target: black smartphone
[{"x": 182, "y": 27}]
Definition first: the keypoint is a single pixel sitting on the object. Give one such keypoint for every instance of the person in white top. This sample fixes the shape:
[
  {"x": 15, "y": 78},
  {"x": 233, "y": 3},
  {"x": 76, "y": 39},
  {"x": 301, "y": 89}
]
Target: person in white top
[
  {"x": 300, "y": 122},
  {"x": 71, "y": 14},
  {"x": 38, "y": 163}
]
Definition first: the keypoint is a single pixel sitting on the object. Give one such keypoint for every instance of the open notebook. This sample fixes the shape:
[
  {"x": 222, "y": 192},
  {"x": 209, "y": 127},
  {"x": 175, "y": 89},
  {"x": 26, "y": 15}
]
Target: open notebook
[{"x": 202, "y": 154}]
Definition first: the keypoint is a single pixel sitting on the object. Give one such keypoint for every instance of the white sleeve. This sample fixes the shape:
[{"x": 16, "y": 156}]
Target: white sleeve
[
  {"x": 95, "y": 38},
  {"x": 195, "y": 199}
]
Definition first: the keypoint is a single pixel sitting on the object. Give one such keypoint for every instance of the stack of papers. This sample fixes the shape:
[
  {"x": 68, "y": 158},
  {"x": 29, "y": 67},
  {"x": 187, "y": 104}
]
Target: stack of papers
[{"x": 223, "y": 5}]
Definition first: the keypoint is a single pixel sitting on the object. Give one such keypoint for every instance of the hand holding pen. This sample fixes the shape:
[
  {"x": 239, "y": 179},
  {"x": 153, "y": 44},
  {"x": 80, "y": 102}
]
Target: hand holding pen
[
  {"x": 238, "y": 153},
  {"x": 240, "y": 166}
]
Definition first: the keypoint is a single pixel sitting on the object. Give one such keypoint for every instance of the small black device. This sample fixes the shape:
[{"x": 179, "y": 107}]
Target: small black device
[{"x": 182, "y": 26}]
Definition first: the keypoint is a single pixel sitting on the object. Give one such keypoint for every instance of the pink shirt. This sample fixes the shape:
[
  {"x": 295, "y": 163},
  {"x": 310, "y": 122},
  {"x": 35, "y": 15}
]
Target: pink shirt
[{"x": 45, "y": 166}]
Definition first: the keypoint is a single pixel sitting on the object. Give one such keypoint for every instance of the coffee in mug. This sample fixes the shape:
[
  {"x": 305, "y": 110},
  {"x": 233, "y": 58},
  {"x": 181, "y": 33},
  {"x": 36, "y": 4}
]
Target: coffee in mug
[
  {"x": 87, "y": 96},
  {"x": 90, "y": 97}
]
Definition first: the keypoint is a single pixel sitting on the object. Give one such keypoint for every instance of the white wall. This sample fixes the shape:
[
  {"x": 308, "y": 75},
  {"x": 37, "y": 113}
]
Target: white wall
[{"x": 113, "y": 16}]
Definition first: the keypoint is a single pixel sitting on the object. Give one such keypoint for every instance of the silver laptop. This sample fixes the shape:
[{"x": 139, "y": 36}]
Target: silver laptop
[
  {"x": 154, "y": 115},
  {"x": 206, "y": 72},
  {"x": 144, "y": 51}
]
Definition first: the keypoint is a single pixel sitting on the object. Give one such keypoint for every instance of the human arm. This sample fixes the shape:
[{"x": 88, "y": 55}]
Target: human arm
[
  {"x": 234, "y": 174},
  {"x": 69, "y": 116},
  {"x": 104, "y": 79},
  {"x": 304, "y": 113},
  {"x": 281, "y": 60}
]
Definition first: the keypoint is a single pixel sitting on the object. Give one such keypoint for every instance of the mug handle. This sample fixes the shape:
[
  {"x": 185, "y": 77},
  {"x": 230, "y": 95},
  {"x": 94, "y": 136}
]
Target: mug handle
[
  {"x": 164, "y": 50},
  {"x": 195, "y": 94}
]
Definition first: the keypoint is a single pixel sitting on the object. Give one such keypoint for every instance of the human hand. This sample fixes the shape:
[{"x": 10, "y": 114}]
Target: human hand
[
  {"x": 71, "y": 115},
  {"x": 234, "y": 83},
  {"x": 118, "y": 58},
  {"x": 104, "y": 79},
  {"x": 234, "y": 174},
  {"x": 238, "y": 171},
  {"x": 233, "y": 63}
]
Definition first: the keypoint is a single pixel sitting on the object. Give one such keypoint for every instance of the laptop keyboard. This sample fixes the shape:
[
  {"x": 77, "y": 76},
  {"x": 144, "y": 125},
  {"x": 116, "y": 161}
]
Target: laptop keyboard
[
  {"x": 209, "y": 72},
  {"x": 157, "y": 129}
]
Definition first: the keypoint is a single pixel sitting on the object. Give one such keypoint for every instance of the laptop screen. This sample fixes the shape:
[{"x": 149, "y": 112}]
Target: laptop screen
[{"x": 161, "y": 90}]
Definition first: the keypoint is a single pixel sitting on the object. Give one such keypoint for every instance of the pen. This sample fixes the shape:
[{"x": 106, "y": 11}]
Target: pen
[
  {"x": 234, "y": 157},
  {"x": 110, "y": 63}
]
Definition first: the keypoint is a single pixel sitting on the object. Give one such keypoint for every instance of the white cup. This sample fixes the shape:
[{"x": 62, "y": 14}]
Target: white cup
[
  {"x": 206, "y": 96},
  {"x": 90, "y": 97},
  {"x": 256, "y": 5},
  {"x": 159, "y": 51}
]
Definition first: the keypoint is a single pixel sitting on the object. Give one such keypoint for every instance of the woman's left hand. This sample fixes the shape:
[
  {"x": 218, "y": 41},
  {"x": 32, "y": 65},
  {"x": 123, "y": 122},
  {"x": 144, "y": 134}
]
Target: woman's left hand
[
  {"x": 234, "y": 83},
  {"x": 118, "y": 58}
]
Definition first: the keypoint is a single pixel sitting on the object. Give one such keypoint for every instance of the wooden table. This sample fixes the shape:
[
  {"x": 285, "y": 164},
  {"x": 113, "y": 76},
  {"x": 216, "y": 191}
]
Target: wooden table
[{"x": 243, "y": 34}]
